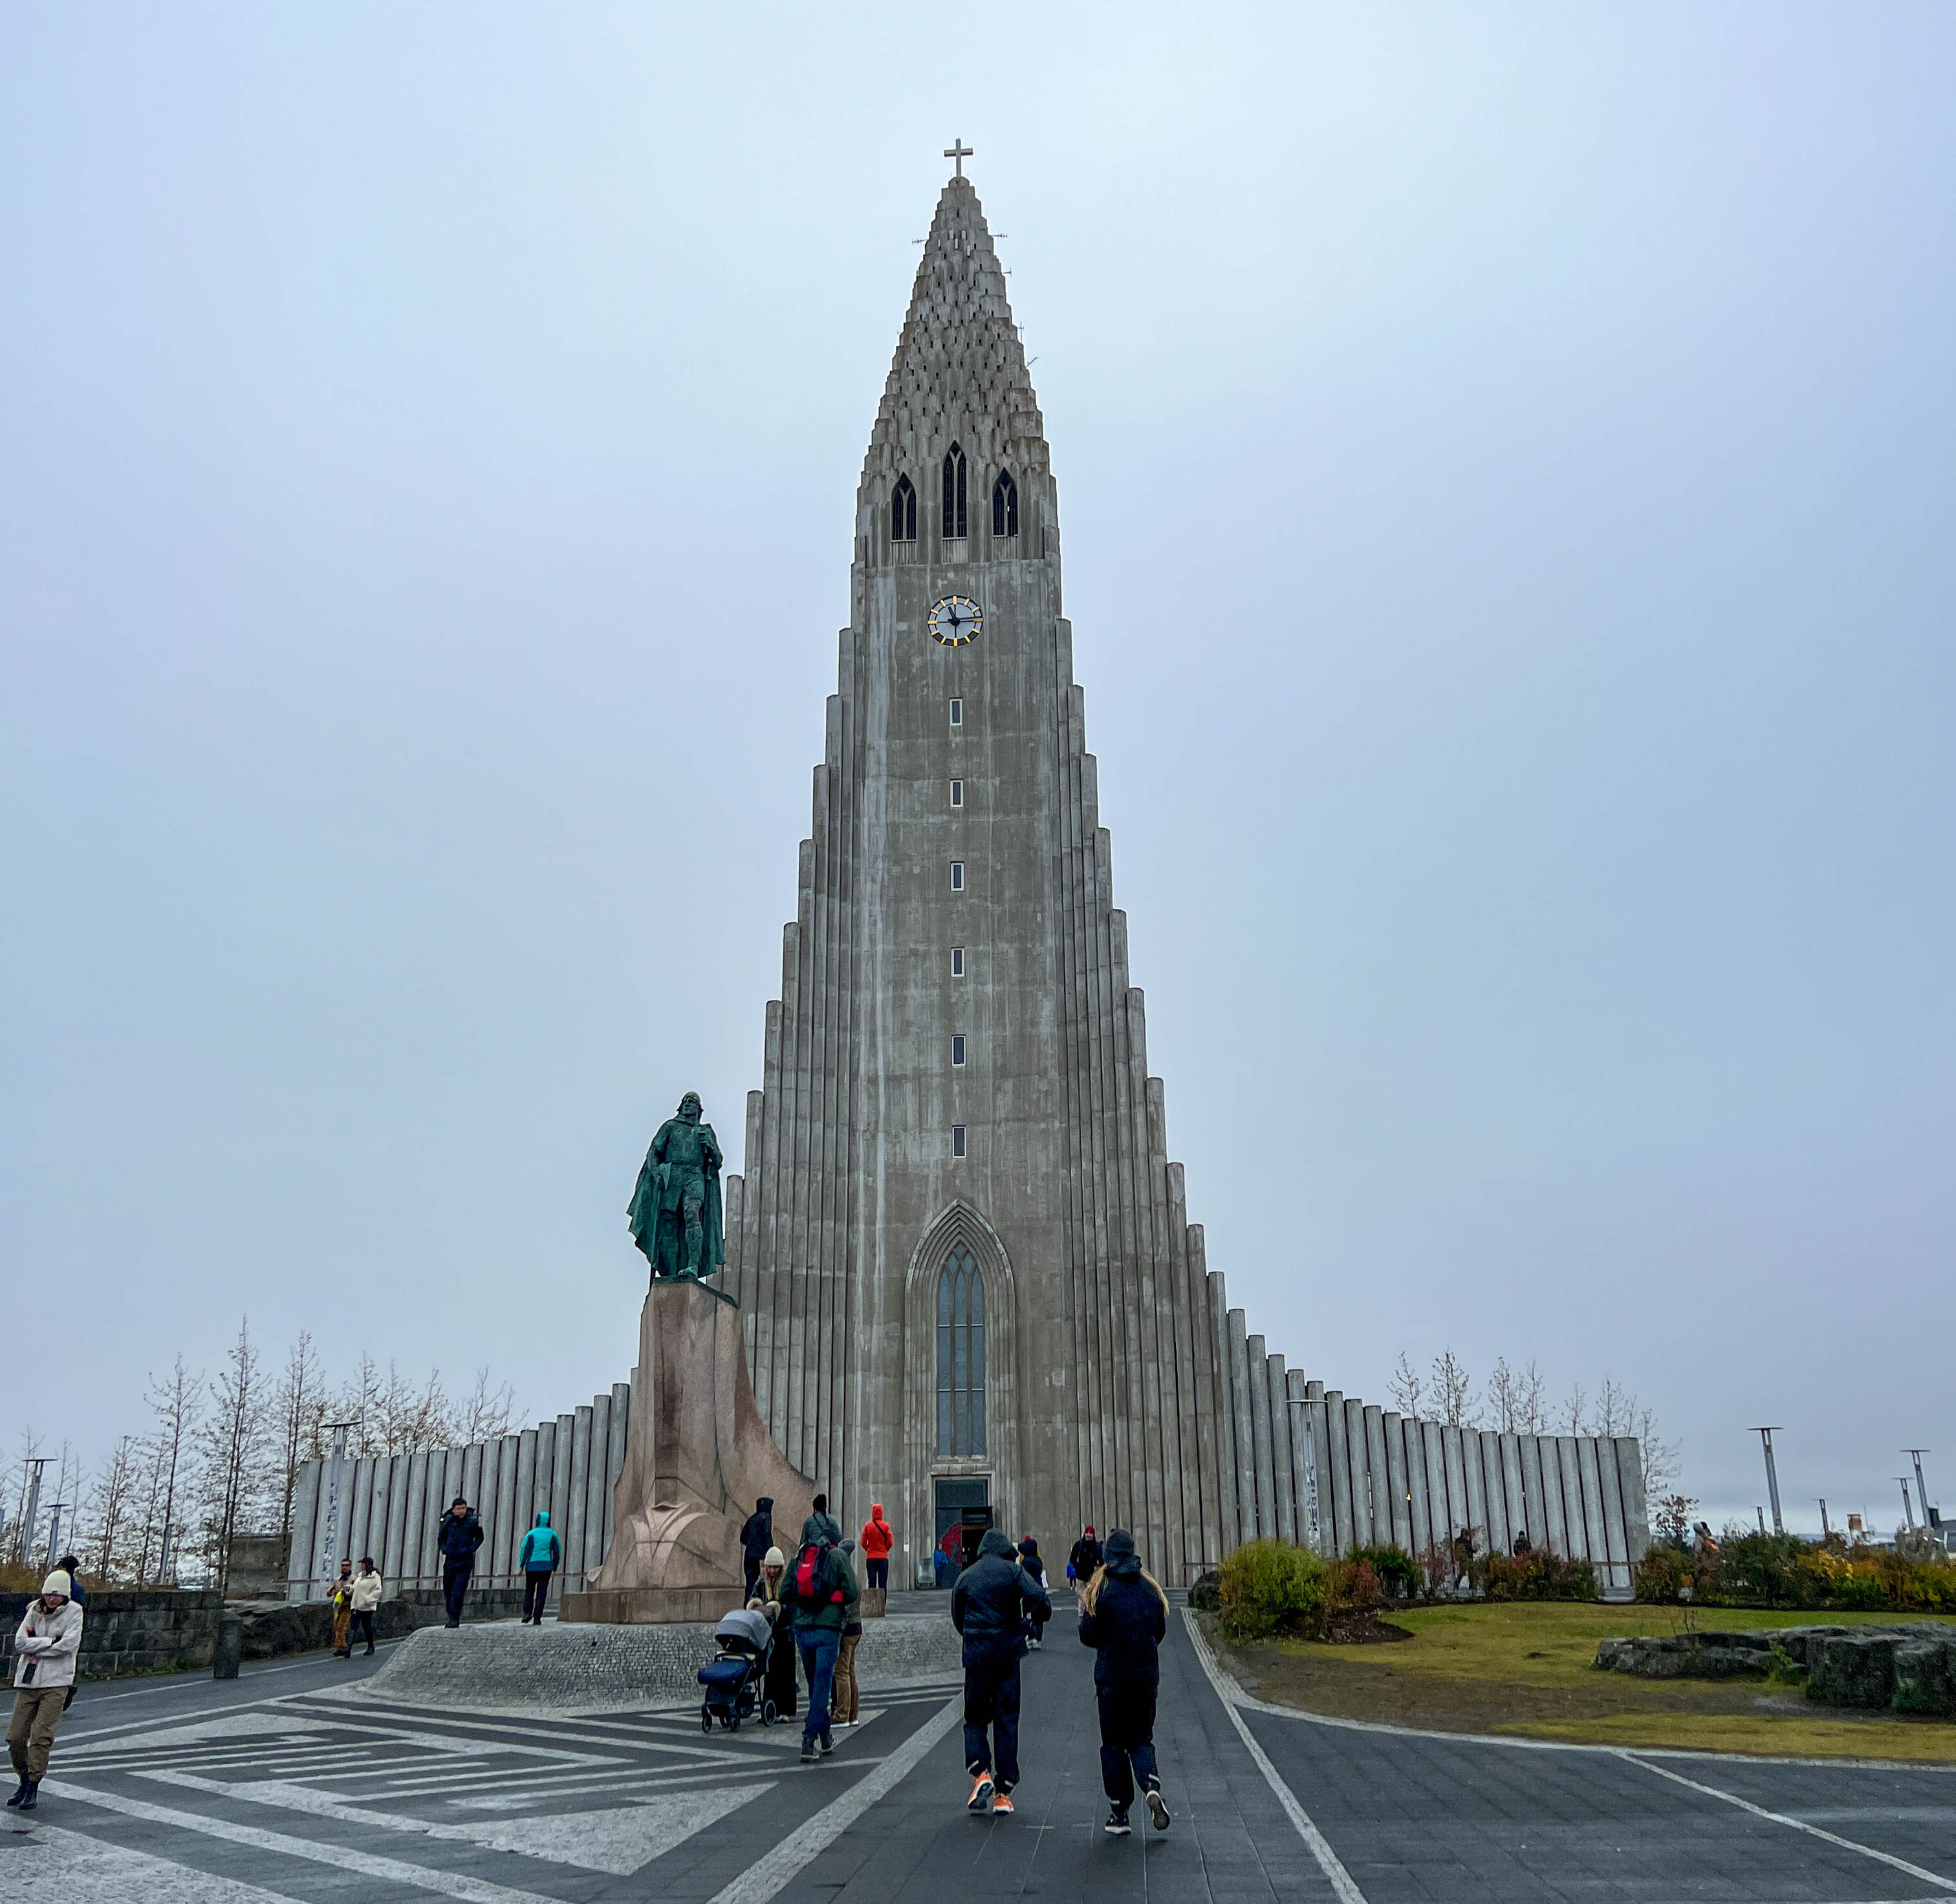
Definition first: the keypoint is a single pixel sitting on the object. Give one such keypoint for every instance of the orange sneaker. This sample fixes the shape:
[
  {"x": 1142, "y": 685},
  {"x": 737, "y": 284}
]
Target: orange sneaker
[
  {"x": 1001, "y": 1806},
  {"x": 981, "y": 1792}
]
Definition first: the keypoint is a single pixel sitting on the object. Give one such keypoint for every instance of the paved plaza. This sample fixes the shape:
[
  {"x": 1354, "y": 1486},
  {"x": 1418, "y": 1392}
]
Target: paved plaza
[{"x": 287, "y": 1784}]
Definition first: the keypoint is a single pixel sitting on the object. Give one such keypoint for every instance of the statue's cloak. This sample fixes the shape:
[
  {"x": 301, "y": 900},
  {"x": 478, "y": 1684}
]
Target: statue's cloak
[{"x": 647, "y": 1197}]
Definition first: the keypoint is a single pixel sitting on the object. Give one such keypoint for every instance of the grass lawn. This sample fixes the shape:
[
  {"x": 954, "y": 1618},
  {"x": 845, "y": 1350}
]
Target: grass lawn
[{"x": 1525, "y": 1669}]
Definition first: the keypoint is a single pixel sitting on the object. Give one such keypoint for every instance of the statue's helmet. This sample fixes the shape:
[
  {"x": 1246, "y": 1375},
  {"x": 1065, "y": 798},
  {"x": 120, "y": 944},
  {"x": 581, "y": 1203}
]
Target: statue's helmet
[{"x": 688, "y": 1105}]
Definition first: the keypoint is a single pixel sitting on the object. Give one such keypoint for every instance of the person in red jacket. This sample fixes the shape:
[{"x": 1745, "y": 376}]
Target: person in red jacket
[{"x": 879, "y": 1537}]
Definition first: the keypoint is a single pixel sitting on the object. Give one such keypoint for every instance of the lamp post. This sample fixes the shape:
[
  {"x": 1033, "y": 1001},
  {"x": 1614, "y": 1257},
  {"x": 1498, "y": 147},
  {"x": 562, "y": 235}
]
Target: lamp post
[
  {"x": 1826, "y": 1532},
  {"x": 1765, "y": 1435},
  {"x": 37, "y": 1462},
  {"x": 1915, "y": 1454},
  {"x": 54, "y": 1536},
  {"x": 1907, "y": 1512}
]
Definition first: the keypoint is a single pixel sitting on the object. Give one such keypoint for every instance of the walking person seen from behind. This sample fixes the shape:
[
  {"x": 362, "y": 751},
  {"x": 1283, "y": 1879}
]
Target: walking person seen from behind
[
  {"x": 461, "y": 1535},
  {"x": 366, "y": 1603},
  {"x": 45, "y": 1645},
  {"x": 542, "y": 1550},
  {"x": 1124, "y": 1617},
  {"x": 990, "y": 1606},
  {"x": 757, "y": 1536},
  {"x": 820, "y": 1594},
  {"x": 879, "y": 1537},
  {"x": 1029, "y": 1558}
]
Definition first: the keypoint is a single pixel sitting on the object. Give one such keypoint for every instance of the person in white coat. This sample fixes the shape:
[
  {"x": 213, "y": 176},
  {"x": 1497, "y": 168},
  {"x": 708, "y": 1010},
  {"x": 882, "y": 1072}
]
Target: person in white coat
[
  {"x": 45, "y": 1647},
  {"x": 366, "y": 1603}
]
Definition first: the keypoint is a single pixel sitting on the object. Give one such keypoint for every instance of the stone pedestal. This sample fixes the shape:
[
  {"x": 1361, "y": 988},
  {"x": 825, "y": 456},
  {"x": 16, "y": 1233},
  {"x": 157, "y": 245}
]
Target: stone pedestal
[{"x": 697, "y": 1458}]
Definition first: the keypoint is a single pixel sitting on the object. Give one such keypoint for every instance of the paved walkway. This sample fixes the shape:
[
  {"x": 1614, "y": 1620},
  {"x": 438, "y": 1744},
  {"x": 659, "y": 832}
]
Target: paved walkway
[{"x": 279, "y": 1786}]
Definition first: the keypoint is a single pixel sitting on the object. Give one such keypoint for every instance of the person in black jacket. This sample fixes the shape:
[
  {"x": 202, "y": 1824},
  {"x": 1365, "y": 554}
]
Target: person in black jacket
[
  {"x": 756, "y": 1538},
  {"x": 1124, "y": 1617},
  {"x": 461, "y": 1535},
  {"x": 990, "y": 1605},
  {"x": 1084, "y": 1561},
  {"x": 1029, "y": 1558}
]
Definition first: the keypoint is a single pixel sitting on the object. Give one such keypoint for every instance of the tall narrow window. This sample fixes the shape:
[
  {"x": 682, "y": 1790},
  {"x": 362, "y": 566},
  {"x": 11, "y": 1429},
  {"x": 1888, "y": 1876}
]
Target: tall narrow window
[
  {"x": 954, "y": 492},
  {"x": 903, "y": 512},
  {"x": 957, "y": 875},
  {"x": 957, "y": 962},
  {"x": 958, "y": 1140},
  {"x": 958, "y": 713},
  {"x": 958, "y": 1047},
  {"x": 957, "y": 792},
  {"x": 960, "y": 1354},
  {"x": 1004, "y": 505}
]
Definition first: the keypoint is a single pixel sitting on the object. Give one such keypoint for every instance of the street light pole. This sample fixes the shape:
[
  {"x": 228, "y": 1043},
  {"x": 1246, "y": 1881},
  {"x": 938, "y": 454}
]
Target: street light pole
[
  {"x": 1915, "y": 1454},
  {"x": 37, "y": 1462},
  {"x": 54, "y": 1536},
  {"x": 1765, "y": 1435},
  {"x": 1908, "y": 1512}
]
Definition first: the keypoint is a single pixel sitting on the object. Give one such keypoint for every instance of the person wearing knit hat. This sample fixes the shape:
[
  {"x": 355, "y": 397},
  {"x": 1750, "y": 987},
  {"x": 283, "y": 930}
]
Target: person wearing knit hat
[{"x": 45, "y": 1647}]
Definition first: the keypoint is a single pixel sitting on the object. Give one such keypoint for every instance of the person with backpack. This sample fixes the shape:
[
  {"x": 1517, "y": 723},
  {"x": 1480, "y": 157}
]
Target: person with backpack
[
  {"x": 459, "y": 1536},
  {"x": 989, "y": 1606},
  {"x": 1084, "y": 1561},
  {"x": 757, "y": 1536},
  {"x": 542, "y": 1550},
  {"x": 821, "y": 1595},
  {"x": 1124, "y": 1617},
  {"x": 1029, "y": 1558}
]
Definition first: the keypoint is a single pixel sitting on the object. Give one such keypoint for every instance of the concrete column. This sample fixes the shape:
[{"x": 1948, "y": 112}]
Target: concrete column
[
  {"x": 560, "y": 1495},
  {"x": 1304, "y": 1464},
  {"x": 1397, "y": 1484},
  {"x": 1418, "y": 1511},
  {"x": 1257, "y": 1377},
  {"x": 415, "y": 1532},
  {"x": 1534, "y": 1491},
  {"x": 1375, "y": 1464},
  {"x": 1318, "y": 1424},
  {"x": 580, "y": 1471},
  {"x": 1218, "y": 1494},
  {"x": 771, "y": 1328},
  {"x": 1514, "y": 1490},
  {"x": 614, "y": 1449},
  {"x": 389, "y": 1557},
  {"x": 509, "y": 1536},
  {"x": 1279, "y": 1403},
  {"x": 1360, "y": 1457},
  {"x": 1439, "y": 1509},
  {"x": 1630, "y": 1481},
  {"x": 1498, "y": 1536},
  {"x": 1458, "y": 1515},
  {"x": 1620, "y": 1584},
  {"x": 1590, "y": 1481},
  {"x": 305, "y": 1510},
  {"x": 1245, "y": 1436},
  {"x": 1341, "y": 1472},
  {"x": 1564, "y": 1517},
  {"x": 595, "y": 1494},
  {"x": 1476, "y": 1488},
  {"x": 361, "y": 1504},
  {"x": 523, "y": 1512}
]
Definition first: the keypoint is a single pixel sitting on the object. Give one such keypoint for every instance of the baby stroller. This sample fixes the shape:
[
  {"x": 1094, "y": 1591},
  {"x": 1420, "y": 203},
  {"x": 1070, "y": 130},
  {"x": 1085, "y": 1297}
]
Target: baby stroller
[{"x": 733, "y": 1677}]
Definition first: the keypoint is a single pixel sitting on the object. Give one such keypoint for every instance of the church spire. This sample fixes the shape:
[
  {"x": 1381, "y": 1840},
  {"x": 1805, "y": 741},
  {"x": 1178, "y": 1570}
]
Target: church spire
[{"x": 959, "y": 374}]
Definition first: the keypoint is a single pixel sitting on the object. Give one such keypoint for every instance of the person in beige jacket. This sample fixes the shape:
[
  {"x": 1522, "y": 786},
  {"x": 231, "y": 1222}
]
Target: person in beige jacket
[
  {"x": 45, "y": 1646},
  {"x": 366, "y": 1601}
]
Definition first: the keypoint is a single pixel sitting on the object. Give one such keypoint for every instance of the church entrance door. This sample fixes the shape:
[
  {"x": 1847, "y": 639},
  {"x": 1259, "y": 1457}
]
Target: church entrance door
[{"x": 964, "y": 1505}]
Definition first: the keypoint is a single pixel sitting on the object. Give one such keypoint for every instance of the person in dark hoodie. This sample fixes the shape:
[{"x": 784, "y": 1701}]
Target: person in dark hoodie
[
  {"x": 1029, "y": 1558},
  {"x": 1124, "y": 1617},
  {"x": 757, "y": 1536},
  {"x": 990, "y": 1605},
  {"x": 542, "y": 1550},
  {"x": 461, "y": 1534}
]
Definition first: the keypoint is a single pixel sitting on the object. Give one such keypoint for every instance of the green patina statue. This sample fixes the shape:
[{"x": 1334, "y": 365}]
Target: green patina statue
[{"x": 675, "y": 1212}]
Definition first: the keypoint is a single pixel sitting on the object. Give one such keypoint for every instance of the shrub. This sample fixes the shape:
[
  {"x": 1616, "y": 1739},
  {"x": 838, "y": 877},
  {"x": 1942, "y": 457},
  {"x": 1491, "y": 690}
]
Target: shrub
[
  {"x": 1269, "y": 1587},
  {"x": 1398, "y": 1571},
  {"x": 1355, "y": 1585},
  {"x": 1540, "y": 1573},
  {"x": 1662, "y": 1575},
  {"x": 1203, "y": 1595}
]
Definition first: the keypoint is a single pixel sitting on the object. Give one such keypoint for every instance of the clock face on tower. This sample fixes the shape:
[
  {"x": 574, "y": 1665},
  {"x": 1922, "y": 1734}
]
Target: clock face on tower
[{"x": 956, "y": 620}]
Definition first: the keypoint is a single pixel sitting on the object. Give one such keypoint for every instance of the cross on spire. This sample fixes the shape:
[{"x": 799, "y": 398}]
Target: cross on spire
[{"x": 960, "y": 151}]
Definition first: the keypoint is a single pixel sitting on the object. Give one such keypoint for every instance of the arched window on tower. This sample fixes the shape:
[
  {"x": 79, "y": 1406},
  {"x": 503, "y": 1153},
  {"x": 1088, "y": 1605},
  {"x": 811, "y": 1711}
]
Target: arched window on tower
[
  {"x": 953, "y": 493},
  {"x": 903, "y": 512},
  {"x": 961, "y": 1355},
  {"x": 1004, "y": 505}
]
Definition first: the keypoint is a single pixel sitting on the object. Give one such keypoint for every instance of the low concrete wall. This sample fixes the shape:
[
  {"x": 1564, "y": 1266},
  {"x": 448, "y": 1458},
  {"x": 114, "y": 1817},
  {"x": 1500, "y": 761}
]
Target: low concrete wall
[
  {"x": 157, "y": 1631},
  {"x": 592, "y": 1668}
]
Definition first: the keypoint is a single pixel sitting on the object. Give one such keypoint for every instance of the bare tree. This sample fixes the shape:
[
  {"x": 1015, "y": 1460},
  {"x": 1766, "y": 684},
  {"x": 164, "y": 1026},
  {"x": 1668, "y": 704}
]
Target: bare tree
[
  {"x": 413, "y": 1419},
  {"x": 233, "y": 1444},
  {"x": 489, "y": 1413},
  {"x": 1531, "y": 1402},
  {"x": 1575, "y": 1403},
  {"x": 361, "y": 1405},
  {"x": 113, "y": 1505},
  {"x": 176, "y": 1403},
  {"x": 1453, "y": 1391},
  {"x": 1407, "y": 1390},
  {"x": 1503, "y": 1397},
  {"x": 298, "y": 1410}
]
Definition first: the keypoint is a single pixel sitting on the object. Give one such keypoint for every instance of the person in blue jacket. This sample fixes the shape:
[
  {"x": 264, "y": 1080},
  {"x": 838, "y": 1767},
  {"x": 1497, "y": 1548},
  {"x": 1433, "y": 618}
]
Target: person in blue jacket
[
  {"x": 542, "y": 1550},
  {"x": 1124, "y": 1617}
]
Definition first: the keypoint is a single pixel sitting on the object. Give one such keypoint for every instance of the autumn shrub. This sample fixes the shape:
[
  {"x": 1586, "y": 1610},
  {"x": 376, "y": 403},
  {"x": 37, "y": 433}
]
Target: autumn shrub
[
  {"x": 1663, "y": 1574},
  {"x": 1355, "y": 1585},
  {"x": 1269, "y": 1587},
  {"x": 1399, "y": 1573},
  {"x": 1540, "y": 1573}
]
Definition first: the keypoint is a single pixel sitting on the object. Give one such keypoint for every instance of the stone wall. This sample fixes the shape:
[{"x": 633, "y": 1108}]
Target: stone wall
[{"x": 1907, "y": 1668}]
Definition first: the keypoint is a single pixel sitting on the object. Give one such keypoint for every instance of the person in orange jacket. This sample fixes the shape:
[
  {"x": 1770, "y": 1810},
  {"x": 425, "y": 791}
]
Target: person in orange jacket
[{"x": 879, "y": 1537}]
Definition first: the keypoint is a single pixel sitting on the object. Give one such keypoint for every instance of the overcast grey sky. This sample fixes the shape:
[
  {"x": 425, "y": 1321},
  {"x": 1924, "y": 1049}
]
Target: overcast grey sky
[{"x": 1506, "y": 460}]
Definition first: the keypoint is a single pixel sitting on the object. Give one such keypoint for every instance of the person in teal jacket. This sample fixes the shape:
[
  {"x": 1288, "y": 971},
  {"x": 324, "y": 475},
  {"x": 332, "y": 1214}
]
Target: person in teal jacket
[{"x": 541, "y": 1552}]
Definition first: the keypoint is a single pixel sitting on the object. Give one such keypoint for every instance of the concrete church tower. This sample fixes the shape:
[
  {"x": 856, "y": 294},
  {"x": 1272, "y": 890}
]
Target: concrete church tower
[{"x": 961, "y": 1253}]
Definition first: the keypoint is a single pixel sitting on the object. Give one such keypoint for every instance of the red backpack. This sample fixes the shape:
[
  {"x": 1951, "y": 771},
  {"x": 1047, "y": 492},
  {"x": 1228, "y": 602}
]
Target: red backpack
[{"x": 808, "y": 1566}]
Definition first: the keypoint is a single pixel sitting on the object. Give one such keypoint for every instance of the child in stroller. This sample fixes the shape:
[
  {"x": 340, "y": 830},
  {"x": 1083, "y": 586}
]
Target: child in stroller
[{"x": 733, "y": 1677}]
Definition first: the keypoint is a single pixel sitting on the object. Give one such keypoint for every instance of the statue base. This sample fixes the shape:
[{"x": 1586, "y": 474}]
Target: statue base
[{"x": 698, "y": 1456}]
